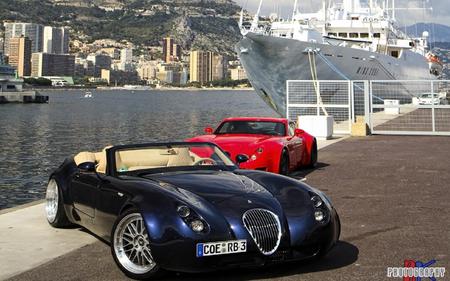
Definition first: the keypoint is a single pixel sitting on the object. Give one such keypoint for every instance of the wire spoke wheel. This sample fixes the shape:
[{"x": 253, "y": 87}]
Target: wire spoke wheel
[
  {"x": 132, "y": 246},
  {"x": 51, "y": 201}
]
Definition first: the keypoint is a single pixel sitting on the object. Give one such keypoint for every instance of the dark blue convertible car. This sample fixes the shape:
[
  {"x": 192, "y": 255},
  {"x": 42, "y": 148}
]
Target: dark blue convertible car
[{"x": 187, "y": 207}]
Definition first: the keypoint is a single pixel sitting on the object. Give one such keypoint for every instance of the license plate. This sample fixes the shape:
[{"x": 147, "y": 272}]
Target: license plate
[{"x": 221, "y": 248}]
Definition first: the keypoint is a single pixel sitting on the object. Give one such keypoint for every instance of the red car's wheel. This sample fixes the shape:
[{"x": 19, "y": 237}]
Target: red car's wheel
[
  {"x": 313, "y": 155},
  {"x": 284, "y": 163}
]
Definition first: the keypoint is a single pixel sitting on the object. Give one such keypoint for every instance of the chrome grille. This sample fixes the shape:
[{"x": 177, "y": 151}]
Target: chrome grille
[{"x": 265, "y": 229}]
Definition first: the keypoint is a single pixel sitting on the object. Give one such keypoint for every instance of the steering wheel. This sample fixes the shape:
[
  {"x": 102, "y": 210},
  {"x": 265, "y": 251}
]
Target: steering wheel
[{"x": 205, "y": 161}]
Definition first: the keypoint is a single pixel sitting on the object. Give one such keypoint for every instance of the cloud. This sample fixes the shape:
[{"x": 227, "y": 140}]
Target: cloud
[{"x": 440, "y": 13}]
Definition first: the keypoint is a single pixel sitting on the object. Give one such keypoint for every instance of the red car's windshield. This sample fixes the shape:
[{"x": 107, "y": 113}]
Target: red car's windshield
[{"x": 252, "y": 127}]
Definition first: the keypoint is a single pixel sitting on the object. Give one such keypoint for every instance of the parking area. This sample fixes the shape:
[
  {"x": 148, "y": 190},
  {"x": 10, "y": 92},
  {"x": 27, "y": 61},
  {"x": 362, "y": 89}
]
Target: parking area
[{"x": 392, "y": 194}]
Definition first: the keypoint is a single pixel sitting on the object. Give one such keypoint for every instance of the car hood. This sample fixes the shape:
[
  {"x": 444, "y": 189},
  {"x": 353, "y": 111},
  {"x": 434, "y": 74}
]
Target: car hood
[
  {"x": 227, "y": 191},
  {"x": 232, "y": 142}
]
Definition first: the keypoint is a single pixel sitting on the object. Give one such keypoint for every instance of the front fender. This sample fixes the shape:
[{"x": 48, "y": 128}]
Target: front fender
[
  {"x": 172, "y": 241},
  {"x": 295, "y": 199}
]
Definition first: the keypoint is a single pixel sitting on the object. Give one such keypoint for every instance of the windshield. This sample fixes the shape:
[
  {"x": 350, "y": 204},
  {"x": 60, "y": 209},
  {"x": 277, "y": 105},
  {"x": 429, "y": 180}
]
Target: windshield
[
  {"x": 429, "y": 96},
  {"x": 171, "y": 156},
  {"x": 252, "y": 127}
]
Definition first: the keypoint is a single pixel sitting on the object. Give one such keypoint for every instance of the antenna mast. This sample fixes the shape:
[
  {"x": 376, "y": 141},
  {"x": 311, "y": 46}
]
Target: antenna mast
[
  {"x": 295, "y": 10},
  {"x": 256, "y": 18}
]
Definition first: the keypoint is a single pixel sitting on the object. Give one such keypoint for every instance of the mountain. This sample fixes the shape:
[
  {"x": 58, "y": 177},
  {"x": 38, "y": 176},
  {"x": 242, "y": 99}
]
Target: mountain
[
  {"x": 438, "y": 32},
  {"x": 201, "y": 24}
]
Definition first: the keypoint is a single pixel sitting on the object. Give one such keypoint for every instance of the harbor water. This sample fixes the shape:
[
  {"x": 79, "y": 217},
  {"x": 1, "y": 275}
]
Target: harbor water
[{"x": 35, "y": 138}]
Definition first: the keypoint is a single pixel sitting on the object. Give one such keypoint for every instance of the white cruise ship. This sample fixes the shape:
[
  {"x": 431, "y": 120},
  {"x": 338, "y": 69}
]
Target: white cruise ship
[{"x": 345, "y": 40}]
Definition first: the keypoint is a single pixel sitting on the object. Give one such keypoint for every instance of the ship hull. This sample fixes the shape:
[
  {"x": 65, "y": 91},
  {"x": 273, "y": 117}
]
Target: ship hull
[{"x": 271, "y": 61}]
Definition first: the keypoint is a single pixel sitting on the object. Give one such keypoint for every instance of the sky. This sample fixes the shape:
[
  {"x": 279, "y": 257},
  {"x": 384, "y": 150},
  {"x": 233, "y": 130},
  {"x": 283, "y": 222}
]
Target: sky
[{"x": 439, "y": 14}]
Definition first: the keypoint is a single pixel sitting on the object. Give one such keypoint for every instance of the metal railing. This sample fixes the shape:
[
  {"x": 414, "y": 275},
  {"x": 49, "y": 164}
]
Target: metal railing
[{"x": 389, "y": 107}]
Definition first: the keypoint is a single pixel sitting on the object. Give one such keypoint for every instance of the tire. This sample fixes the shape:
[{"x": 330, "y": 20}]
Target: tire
[
  {"x": 313, "y": 156},
  {"x": 130, "y": 247},
  {"x": 54, "y": 206},
  {"x": 284, "y": 163}
]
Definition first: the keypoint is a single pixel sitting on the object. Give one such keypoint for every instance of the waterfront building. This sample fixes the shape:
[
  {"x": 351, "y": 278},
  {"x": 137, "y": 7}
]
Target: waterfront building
[
  {"x": 147, "y": 70},
  {"x": 100, "y": 61},
  {"x": 20, "y": 55},
  {"x": 126, "y": 59},
  {"x": 106, "y": 75},
  {"x": 171, "y": 50},
  {"x": 56, "y": 40},
  {"x": 206, "y": 67},
  {"x": 113, "y": 52},
  {"x": 118, "y": 77},
  {"x": 172, "y": 73},
  {"x": 84, "y": 67},
  {"x": 44, "y": 64},
  {"x": 2, "y": 46},
  {"x": 8, "y": 81},
  {"x": 238, "y": 73},
  {"x": 34, "y": 32}
]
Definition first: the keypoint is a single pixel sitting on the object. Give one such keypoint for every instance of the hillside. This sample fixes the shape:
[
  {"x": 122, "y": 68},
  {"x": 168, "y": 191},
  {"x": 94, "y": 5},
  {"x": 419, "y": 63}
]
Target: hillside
[
  {"x": 438, "y": 32},
  {"x": 203, "y": 24}
]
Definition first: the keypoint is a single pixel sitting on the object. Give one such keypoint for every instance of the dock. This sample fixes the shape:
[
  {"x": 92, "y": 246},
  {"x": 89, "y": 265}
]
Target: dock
[
  {"x": 23, "y": 97},
  {"x": 389, "y": 211}
]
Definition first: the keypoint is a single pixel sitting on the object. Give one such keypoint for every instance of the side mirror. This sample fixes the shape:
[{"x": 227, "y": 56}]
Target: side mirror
[
  {"x": 209, "y": 131},
  {"x": 241, "y": 158},
  {"x": 87, "y": 167},
  {"x": 299, "y": 132}
]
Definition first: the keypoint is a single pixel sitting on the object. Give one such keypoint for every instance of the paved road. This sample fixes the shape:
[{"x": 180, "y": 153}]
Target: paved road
[
  {"x": 393, "y": 197},
  {"x": 418, "y": 120}
]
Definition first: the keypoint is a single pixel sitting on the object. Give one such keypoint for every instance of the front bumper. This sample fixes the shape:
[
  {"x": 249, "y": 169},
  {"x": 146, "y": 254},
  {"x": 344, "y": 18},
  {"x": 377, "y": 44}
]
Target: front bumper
[{"x": 180, "y": 254}]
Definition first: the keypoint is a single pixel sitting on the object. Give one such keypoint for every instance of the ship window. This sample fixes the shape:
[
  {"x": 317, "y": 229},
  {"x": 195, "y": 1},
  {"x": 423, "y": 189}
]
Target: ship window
[
  {"x": 343, "y": 35},
  {"x": 359, "y": 70},
  {"x": 332, "y": 34},
  {"x": 364, "y": 35},
  {"x": 10, "y": 87},
  {"x": 354, "y": 35},
  {"x": 377, "y": 35},
  {"x": 394, "y": 54},
  {"x": 355, "y": 18}
]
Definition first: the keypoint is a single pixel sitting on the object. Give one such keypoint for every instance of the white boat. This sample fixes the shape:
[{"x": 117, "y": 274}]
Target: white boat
[
  {"x": 88, "y": 95},
  {"x": 347, "y": 40}
]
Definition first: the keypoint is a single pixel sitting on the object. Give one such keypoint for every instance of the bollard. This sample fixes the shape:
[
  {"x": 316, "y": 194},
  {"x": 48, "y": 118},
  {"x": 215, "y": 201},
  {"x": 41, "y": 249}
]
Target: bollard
[{"x": 360, "y": 128}]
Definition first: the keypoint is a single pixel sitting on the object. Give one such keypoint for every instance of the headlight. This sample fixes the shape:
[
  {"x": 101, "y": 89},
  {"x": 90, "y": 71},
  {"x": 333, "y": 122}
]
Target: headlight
[
  {"x": 183, "y": 211},
  {"x": 197, "y": 225},
  {"x": 317, "y": 202},
  {"x": 192, "y": 219},
  {"x": 319, "y": 215}
]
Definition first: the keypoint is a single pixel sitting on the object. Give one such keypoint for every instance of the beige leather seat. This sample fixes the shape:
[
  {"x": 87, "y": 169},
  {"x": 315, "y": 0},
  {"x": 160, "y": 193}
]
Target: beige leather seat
[
  {"x": 84, "y": 157},
  {"x": 139, "y": 159},
  {"x": 131, "y": 160},
  {"x": 99, "y": 158}
]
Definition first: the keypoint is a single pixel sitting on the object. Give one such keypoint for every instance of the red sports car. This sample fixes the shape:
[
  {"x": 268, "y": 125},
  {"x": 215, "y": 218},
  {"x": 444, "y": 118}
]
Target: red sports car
[{"x": 267, "y": 144}]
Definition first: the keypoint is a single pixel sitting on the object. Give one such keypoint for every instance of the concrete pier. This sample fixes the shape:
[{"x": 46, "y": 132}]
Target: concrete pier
[
  {"x": 391, "y": 194},
  {"x": 28, "y": 241},
  {"x": 22, "y": 97}
]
